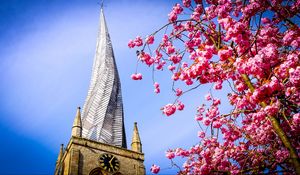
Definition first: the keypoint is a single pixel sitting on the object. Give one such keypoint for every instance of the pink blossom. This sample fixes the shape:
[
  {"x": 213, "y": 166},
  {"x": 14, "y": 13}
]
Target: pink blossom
[
  {"x": 172, "y": 17},
  {"x": 224, "y": 54},
  {"x": 160, "y": 65},
  {"x": 137, "y": 76},
  {"x": 296, "y": 118},
  {"x": 175, "y": 58},
  {"x": 149, "y": 62},
  {"x": 271, "y": 110},
  {"x": 157, "y": 90},
  {"x": 156, "y": 87},
  {"x": 170, "y": 154},
  {"x": 145, "y": 57},
  {"x": 296, "y": 43},
  {"x": 181, "y": 152},
  {"x": 188, "y": 82},
  {"x": 169, "y": 109},
  {"x": 201, "y": 109},
  {"x": 180, "y": 106},
  {"x": 218, "y": 85},
  {"x": 149, "y": 39},
  {"x": 210, "y": 11},
  {"x": 177, "y": 9},
  {"x": 197, "y": 12},
  {"x": 212, "y": 112},
  {"x": 208, "y": 97},
  {"x": 184, "y": 65},
  {"x": 295, "y": 76},
  {"x": 216, "y": 124},
  {"x": 155, "y": 169},
  {"x": 288, "y": 37},
  {"x": 199, "y": 117},
  {"x": 186, "y": 3},
  {"x": 175, "y": 77},
  {"x": 131, "y": 44},
  {"x": 216, "y": 101},
  {"x": 290, "y": 91},
  {"x": 138, "y": 41},
  {"x": 165, "y": 39},
  {"x": 281, "y": 155},
  {"x": 158, "y": 55},
  {"x": 171, "y": 67},
  {"x": 206, "y": 121},
  {"x": 178, "y": 92},
  {"x": 170, "y": 49},
  {"x": 225, "y": 22},
  {"x": 189, "y": 27},
  {"x": 201, "y": 134}
]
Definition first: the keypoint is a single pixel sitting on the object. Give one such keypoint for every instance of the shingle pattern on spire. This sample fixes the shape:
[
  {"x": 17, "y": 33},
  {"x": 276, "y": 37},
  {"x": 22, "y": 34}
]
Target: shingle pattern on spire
[{"x": 102, "y": 116}]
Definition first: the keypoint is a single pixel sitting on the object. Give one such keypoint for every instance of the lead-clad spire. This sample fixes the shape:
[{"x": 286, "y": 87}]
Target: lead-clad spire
[{"x": 102, "y": 115}]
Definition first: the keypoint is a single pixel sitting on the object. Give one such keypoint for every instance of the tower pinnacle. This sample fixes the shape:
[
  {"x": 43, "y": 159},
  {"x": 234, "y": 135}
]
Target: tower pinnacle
[
  {"x": 60, "y": 155},
  {"x": 77, "y": 126},
  {"x": 136, "y": 144}
]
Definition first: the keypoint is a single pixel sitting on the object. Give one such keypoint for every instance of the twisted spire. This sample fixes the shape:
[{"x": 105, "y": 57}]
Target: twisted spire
[{"x": 102, "y": 116}]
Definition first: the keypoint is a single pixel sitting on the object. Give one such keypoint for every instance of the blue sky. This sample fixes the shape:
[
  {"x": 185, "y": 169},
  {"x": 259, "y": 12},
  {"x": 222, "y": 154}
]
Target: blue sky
[{"x": 46, "y": 54}]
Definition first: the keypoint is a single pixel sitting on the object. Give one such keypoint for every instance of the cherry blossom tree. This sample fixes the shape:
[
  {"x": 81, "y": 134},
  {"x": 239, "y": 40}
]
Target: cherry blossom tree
[{"x": 254, "y": 48}]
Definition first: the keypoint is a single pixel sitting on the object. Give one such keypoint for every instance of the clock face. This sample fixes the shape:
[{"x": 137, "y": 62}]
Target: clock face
[{"x": 109, "y": 163}]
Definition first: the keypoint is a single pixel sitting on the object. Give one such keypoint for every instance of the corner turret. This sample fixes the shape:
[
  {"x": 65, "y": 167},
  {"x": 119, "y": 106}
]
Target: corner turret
[
  {"x": 77, "y": 125},
  {"x": 136, "y": 144},
  {"x": 60, "y": 155}
]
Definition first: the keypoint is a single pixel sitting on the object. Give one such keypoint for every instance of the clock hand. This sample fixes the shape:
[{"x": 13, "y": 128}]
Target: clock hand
[{"x": 110, "y": 161}]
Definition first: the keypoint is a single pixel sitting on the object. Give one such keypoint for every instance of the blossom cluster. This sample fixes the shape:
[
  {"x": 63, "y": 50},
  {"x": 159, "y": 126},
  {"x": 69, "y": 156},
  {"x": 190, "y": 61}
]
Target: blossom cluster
[{"x": 253, "y": 47}]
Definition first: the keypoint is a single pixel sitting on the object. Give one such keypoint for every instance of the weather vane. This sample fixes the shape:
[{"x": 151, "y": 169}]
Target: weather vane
[{"x": 102, "y": 2}]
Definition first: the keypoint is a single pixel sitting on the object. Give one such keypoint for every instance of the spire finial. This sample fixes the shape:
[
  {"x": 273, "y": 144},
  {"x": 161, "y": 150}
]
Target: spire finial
[{"x": 102, "y": 2}]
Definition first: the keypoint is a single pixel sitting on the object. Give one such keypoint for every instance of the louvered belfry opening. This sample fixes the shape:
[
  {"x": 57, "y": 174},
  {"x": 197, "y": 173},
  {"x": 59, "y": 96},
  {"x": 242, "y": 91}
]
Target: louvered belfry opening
[{"x": 102, "y": 115}]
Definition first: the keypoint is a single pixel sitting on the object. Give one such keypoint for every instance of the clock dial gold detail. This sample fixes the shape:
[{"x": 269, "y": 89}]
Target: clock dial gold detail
[{"x": 109, "y": 163}]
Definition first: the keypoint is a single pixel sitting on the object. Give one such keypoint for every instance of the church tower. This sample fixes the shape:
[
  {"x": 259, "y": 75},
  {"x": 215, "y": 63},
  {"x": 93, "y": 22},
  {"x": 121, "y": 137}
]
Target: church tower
[{"x": 98, "y": 141}]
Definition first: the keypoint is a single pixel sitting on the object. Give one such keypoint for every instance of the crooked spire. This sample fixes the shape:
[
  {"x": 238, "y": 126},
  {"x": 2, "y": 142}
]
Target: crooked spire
[
  {"x": 102, "y": 117},
  {"x": 136, "y": 144}
]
